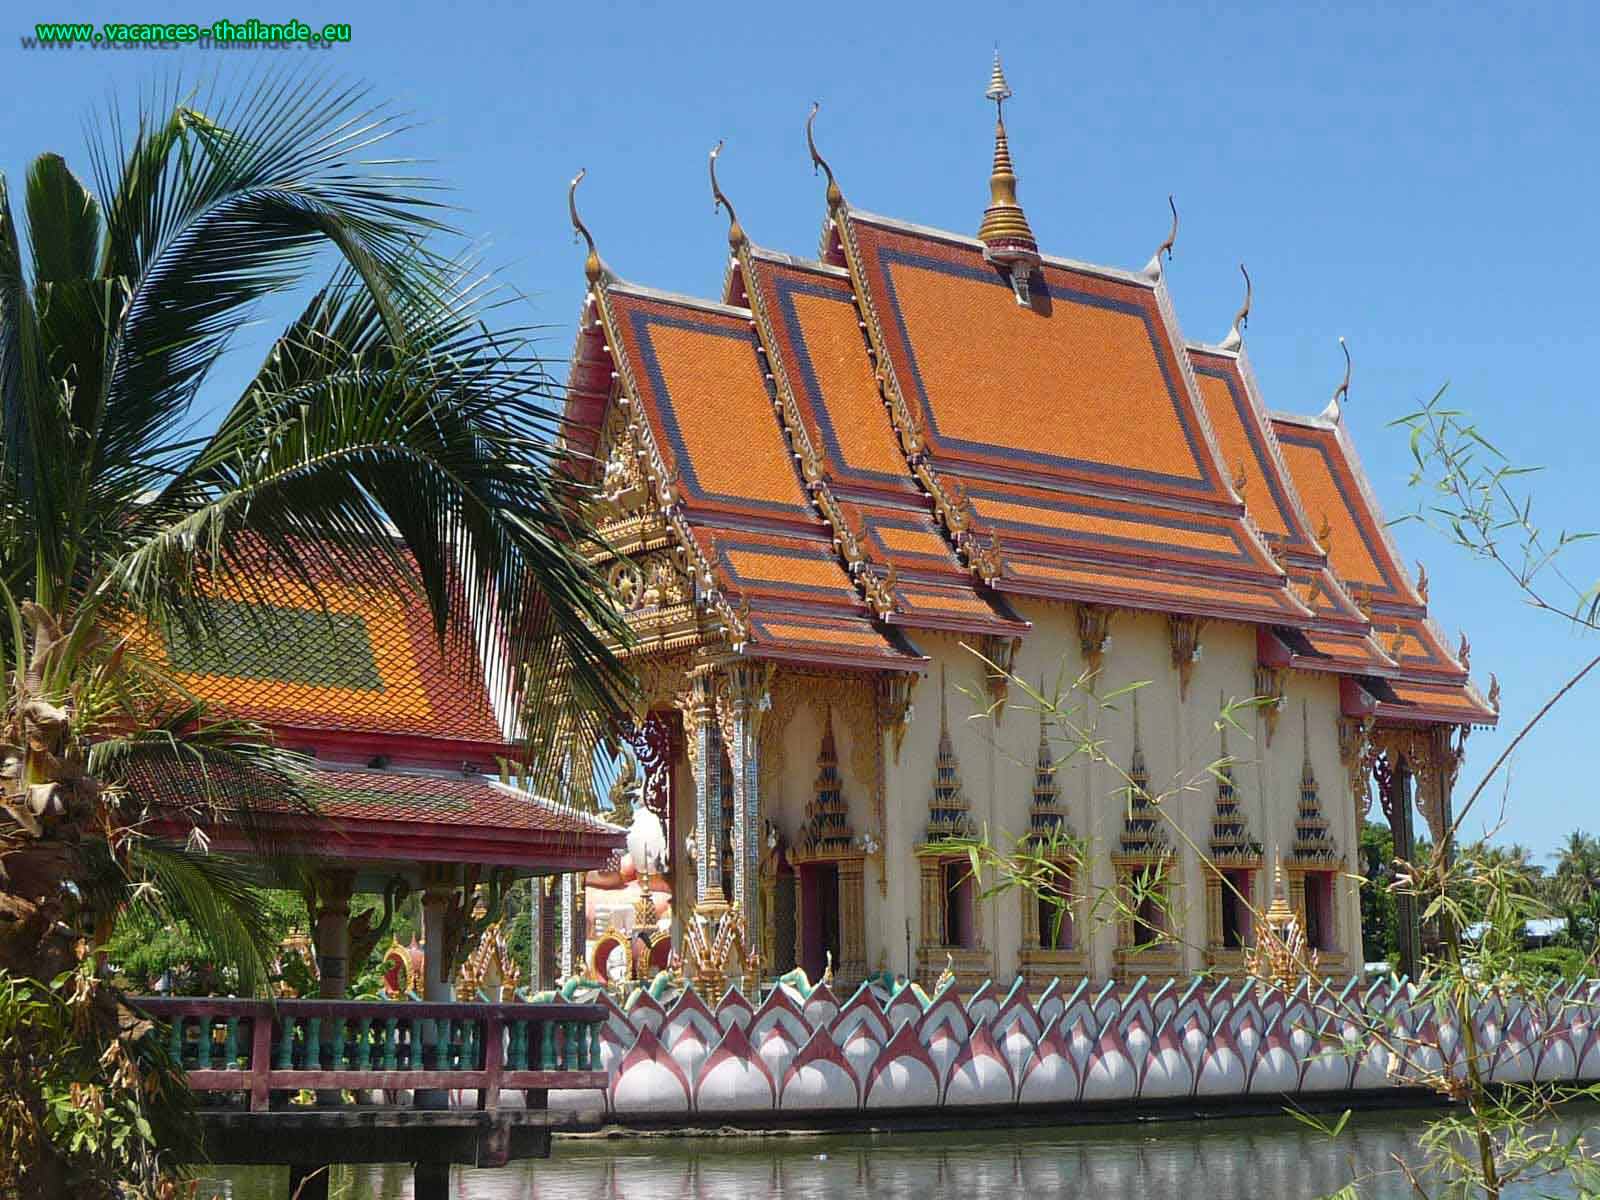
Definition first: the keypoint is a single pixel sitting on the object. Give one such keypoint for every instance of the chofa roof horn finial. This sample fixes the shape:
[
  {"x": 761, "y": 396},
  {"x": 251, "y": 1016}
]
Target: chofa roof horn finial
[
  {"x": 818, "y": 163},
  {"x": 1341, "y": 394},
  {"x": 1152, "y": 269},
  {"x": 592, "y": 266},
  {"x": 736, "y": 235},
  {"x": 1235, "y": 337}
]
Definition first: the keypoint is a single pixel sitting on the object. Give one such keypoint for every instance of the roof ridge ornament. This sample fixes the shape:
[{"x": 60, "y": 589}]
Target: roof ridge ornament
[
  {"x": 736, "y": 235},
  {"x": 593, "y": 267},
  {"x": 1007, "y": 238},
  {"x": 1235, "y": 337},
  {"x": 1152, "y": 269},
  {"x": 1341, "y": 394},
  {"x": 818, "y": 163}
]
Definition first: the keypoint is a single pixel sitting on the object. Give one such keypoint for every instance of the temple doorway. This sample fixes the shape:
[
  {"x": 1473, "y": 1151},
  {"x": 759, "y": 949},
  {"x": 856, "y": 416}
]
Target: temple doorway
[{"x": 819, "y": 916}]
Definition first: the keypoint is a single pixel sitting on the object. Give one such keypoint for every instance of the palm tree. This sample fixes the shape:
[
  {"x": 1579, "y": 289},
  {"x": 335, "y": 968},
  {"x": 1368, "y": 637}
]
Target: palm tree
[
  {"x": 388, "y": 430},
  {"x": 1577, "y": 874}
]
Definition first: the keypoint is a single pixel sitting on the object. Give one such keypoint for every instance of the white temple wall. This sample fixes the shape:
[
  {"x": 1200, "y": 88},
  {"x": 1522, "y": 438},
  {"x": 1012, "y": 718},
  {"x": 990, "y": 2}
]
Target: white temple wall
[{"x": 997, "y": 760}]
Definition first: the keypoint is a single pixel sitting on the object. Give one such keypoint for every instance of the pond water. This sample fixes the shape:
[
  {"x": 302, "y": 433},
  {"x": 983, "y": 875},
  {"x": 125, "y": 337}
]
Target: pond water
[{"x": 1228, "y": 1159}]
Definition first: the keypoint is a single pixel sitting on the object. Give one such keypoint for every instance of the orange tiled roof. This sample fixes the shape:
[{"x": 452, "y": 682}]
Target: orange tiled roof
[
  {"x": 906, "y": 416},
  {"x": 815, "y": 347},
  {"x": 1338, "y": 640},
  {"x": 1072, "y": 424},
  {"x": 706, "y": 396},
  {"x": 350, "y": 659}
]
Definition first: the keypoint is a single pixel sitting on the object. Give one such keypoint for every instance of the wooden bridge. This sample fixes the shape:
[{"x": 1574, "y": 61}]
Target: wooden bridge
[{"x": 252, "y": 1062}]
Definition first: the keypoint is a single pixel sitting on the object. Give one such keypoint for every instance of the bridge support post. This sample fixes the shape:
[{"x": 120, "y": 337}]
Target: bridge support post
[{"x": 431, "y": 1181}]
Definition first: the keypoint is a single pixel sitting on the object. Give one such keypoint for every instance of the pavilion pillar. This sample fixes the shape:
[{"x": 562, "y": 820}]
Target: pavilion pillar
[
  {"x": 572, "y": 927},
  {"x": 749, "y": 695},
  {"x": 438, "y": 891},
  {"x": 1402, "y": 826},
  {"x": 334, "y": 889},
  {"x": 707, "y": 790}
]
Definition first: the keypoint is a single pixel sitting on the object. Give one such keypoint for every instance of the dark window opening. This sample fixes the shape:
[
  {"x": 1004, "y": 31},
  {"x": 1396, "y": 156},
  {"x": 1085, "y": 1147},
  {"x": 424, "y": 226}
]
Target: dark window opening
[
  {"x": 1236, "y": 927},
  {"x": 1055, "y": 923},
  {"x": 1319, "y": 910},
  {"x": 1148, "y": 923},
  {"x": 958, "y": 922}
]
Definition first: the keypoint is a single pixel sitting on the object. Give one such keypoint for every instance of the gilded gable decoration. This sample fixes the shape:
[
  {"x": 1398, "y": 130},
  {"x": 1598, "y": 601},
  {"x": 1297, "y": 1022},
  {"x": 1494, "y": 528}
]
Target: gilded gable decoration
[
  {"x": 1269, "y": 687},
  {"x": 1094, "y": 637},
  {"x": 1144, "y": 837},
  {"x": 949, "y": 815},
  {"x": 1353, "y": 733},
  {"x": 1044, "y": 810},
  {"x": 1183, "y": 632},
  {"x": 826, "y": 832},
  {"x": 999, "y": 653},
  {"x": 1052, "y": 942},
  {"x": 894, "y": 691},
  {"x": 1313, "y": 842},
  {"x": 1145, "y": 867},
  {"x": 1231, "y": 843}
]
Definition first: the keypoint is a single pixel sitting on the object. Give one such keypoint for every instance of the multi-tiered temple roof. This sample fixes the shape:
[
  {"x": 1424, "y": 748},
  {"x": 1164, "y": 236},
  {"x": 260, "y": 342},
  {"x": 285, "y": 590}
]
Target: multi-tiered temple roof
[{"x": 917, "y": 425}]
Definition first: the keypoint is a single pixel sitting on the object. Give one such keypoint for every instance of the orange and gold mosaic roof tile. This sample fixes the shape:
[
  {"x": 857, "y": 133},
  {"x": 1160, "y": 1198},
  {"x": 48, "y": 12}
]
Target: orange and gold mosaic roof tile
[
  {"x": 347, "y": 658},
  {"x": 1083, "y": 384},
  {"x": 1243, "y": 437}
]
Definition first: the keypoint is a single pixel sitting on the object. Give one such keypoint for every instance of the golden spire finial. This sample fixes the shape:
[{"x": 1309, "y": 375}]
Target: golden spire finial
[
  {"x": 736, "y": 237},
  {"x": 835, "y": 196},
  {"x": 999, "y": 90},
  {"x": 592, "y": 266},
  {"x": 1006, "y": 236}
]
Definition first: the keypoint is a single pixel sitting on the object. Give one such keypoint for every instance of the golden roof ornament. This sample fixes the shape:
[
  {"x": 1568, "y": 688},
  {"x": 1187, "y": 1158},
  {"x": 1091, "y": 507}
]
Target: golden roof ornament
[
  {"x": 818, "y": 163},
  {"x": 1422, "y": 581},
  {"x": 593, "y": 268},
  {"x": 1235, "y": 335},
  {"x": 1341, "y": 394},
  {"x": 1152, "y": 269},
  {"x": 1007, "y": 239},
  {"x": 736, "y": 235}
]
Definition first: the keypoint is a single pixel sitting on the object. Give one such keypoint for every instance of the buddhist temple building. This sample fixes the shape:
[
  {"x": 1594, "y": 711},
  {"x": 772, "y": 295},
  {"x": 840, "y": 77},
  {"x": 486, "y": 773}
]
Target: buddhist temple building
[{"x": 851, "y": 500}]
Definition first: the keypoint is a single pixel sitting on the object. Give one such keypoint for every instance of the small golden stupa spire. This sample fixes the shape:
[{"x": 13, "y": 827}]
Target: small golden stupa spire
[{"x": 1006, "y": 236}]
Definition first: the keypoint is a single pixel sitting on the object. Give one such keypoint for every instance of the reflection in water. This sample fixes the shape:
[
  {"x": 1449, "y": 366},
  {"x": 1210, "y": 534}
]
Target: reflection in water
[{"x": 1221, "y": 1160}]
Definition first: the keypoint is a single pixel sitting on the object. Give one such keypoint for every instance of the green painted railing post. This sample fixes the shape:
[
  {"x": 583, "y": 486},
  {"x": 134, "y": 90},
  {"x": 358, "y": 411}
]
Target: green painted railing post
[
  {"x": 175, "y": 1040},
  {"x": 284, "y": 1058},
  {"x": 470, "y": 1039},
  {"x": 517, "y": 1050},
  {"x": 230, "y": 1043},
  {"x": 313, "y": 1054},
  {"x": 547, "y": 1045},
  {"x": 202, "y": 1046},
  {"x": 363, "y": 1055},
  {"x": 391, "y": 1058},
  {"x": 594, "y": 1046},
  {"x": 569, "y": 1046}
]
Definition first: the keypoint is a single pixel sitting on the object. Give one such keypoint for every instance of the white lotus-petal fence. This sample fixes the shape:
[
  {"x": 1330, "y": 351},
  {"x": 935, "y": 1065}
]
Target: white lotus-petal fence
[{"x": 674, "y": 1057}]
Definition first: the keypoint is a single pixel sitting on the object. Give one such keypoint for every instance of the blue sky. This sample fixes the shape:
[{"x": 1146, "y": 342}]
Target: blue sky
[{"x": 1420, "y": 180}]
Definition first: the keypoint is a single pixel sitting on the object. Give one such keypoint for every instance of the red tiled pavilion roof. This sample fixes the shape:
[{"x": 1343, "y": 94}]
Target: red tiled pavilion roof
[
  {"x": 346, "y": 660},
  {"x": 398, "y": 817}
]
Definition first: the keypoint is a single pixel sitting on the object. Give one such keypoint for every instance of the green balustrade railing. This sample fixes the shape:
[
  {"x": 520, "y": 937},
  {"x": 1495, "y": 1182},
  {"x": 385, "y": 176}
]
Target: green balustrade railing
[{"x": 332, "y": 1047}]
